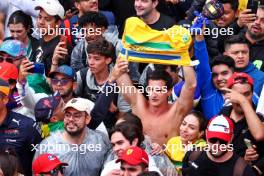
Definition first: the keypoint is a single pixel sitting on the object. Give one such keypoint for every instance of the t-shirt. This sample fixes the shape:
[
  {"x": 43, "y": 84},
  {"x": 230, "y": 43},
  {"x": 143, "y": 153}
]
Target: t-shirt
[
  {"x": 164, "y": 22},
  {"x": 241, "y": 131},
  {"x": 45, "y": 52},
  {"x": 207, "y": 167},
  {"x": 85, "y": 159}
]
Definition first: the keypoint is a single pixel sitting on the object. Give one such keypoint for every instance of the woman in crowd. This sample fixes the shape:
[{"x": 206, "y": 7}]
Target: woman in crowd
[
  {"x": 191, "y": 135},
  {"x": 20, "y": 26}
]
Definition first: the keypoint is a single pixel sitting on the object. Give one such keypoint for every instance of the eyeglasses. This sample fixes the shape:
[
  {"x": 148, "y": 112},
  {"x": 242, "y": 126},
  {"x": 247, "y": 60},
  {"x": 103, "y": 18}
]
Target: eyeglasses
[
  {"x": 55, "y": 171},
  {"x": 7, "y": 59},
  {"x": 75, "y": 116},
  {"x": 215, "y": 140},
  {"x": 63, "y": 81}
]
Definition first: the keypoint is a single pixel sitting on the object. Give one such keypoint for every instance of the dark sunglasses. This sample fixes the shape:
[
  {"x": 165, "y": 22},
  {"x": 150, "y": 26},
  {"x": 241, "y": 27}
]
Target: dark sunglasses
[
  {"x": 63, "y": 81},
  {"x": 10, "y": 59},
  {"x": 7, "y": 59},
  {"x": 215, "y": 140},
  {"x": 55, "y": 171}
]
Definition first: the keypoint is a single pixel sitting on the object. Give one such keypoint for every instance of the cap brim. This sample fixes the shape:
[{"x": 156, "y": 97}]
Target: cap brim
[
  {"x": 52, "y": 166},
  {"x": 130, "y": 161},
  {"x": 218, "y": 135},
  {"x": 50, "y": 12}
]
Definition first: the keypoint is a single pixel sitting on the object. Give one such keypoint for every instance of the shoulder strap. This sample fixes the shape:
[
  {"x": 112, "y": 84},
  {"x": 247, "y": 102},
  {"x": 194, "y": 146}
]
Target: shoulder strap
[
  {"x": 67, "y": 25},
  {"x": 239, "y": 167},
  {"x": 83, "y": 74}
]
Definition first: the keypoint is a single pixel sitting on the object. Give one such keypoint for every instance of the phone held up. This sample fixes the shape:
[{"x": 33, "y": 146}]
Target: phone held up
[{"x": 253, "y": 5}]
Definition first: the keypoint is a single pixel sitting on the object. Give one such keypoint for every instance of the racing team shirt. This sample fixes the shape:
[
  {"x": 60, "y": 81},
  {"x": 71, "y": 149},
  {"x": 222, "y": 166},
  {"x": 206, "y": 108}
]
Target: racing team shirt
[{"x": 20, "y": 133}]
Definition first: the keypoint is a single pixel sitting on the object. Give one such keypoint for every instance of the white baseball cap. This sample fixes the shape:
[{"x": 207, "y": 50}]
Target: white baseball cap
[
  {"x": 52, "y": 7},
  {"x": 80, "y": 104}
]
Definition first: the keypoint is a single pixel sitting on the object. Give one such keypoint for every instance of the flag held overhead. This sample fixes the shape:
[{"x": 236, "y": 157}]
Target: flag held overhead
[{"x": 146, "y": 45}]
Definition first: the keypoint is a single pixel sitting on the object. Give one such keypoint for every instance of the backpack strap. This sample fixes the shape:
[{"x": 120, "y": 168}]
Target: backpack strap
[
  {"x": 83, "y": 74},
  {"x": 67, "y": 25},
  {"x": 239, "y": 167}
]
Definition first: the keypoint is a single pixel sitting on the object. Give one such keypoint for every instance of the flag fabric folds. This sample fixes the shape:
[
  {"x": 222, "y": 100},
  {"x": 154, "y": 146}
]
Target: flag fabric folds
[{"x": 146, "y": 45}]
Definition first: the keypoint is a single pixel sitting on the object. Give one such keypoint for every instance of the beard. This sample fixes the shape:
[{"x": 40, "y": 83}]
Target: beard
[
  {"x": 76, "y": 133},
  {"x": 255, "y": 36}
]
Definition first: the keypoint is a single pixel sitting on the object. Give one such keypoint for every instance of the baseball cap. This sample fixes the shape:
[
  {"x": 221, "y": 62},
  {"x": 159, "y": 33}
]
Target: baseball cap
[
  {"x": 8, "y": 71},
  {"x": 239, "y": 77},
  {"x": 220, "y": 127},
  {"x": 134, "y": 156},
  {"x": 45, "y": 107},
  {"x": 66, "y": 70},
  {"x": 80, "y": 104},
  {"x": 45, "y": 163},
  {"x": 14, "y": 48},
  {"x": 52, "y": 7}
]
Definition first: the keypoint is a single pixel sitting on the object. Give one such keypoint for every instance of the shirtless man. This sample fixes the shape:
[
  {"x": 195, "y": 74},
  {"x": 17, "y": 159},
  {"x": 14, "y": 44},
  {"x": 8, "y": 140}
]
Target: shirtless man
[{"x": 161, "y": 120}]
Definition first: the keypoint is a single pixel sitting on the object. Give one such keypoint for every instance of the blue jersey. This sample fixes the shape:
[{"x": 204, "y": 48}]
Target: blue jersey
[{"x": 20, "y": 133}]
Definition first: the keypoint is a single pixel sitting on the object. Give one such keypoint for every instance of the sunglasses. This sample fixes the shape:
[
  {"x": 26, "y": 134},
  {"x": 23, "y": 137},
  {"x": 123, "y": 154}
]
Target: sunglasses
[
  {"x": 10, "y": 59},
  {"x": 215, "y": 140},
  {"x": 6, "y": 59},
  {"x": 62, "y": 82},
  {"x": 55, "y": 171}
]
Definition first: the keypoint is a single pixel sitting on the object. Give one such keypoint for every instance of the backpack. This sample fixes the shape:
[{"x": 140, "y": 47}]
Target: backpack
[{"x": 239, "y": 167}]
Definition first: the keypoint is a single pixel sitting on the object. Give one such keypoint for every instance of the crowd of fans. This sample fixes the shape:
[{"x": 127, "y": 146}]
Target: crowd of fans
[{"x": 65, "y": 106}]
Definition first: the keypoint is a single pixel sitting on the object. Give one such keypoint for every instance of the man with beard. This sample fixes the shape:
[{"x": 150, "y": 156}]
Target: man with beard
[
  {"x": 63, "y": 80},
  {"x": 255, "y": 37},
  {"x": 218, "y": 157},
  {"x": 82, "y": 148}
]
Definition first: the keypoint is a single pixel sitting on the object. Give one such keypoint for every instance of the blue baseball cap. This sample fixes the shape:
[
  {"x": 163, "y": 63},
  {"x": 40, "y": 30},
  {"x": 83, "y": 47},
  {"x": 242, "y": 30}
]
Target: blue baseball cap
[
  {"x": 14, "y": 48},
  {"x": 65, "y": 70}
]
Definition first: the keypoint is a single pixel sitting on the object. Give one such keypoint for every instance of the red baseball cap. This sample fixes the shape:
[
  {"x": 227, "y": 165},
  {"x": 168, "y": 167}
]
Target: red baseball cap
[
  {"x": 220, "y": 127},
  {"x": 8, "y": 71},
  {"x": 45, "y": 163},
  {"x": 134, "y": 156},
  {"x": 239, "y": 77}
]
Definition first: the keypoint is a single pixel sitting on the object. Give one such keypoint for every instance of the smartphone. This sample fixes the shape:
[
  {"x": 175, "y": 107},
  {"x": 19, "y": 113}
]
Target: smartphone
[
  {"x": 248, "y": 143},
  {"x": 253, "y": 5},
  {"x": 65, "y": 40},
  {"x": 38, "y": 68}
]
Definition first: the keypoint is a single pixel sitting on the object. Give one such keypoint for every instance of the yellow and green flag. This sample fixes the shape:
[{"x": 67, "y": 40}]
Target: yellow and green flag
[{"x": 146, "y": 45}]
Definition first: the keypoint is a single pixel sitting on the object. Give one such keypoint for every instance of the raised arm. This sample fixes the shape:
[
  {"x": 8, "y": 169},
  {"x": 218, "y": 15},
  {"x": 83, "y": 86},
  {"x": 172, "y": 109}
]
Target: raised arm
[
  {"x": 185, "y": 102},
  {"x": 125, "y": 84}
]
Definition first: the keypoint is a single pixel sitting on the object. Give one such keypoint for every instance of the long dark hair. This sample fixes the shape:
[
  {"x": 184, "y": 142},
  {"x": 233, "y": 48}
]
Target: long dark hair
[{"x": 20, "y": 17}]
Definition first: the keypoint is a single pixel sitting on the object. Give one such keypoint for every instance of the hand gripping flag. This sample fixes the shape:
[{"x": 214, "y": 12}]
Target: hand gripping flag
[{"x": 146, "y": 45}]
